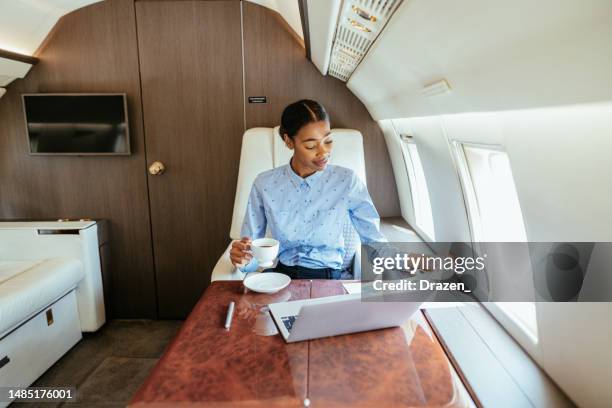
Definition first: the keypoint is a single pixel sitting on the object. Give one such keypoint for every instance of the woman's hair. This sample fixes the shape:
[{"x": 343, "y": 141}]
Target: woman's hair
[{"x": 299, "y": 114}]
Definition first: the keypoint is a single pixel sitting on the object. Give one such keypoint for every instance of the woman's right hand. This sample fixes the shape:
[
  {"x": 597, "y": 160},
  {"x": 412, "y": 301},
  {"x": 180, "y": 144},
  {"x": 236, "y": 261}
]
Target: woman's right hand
[{"x": 240, "y": 254}]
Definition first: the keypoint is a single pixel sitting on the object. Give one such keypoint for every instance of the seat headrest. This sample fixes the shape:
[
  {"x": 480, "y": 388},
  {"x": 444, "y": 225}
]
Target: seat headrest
[{"x": 263, "y": 149}]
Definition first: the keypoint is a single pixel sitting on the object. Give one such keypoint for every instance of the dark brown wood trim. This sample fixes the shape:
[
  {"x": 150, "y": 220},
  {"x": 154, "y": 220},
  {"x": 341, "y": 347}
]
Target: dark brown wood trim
[
  {"x": 18, "y": 57},
  {"x": 305, "y": 26}
]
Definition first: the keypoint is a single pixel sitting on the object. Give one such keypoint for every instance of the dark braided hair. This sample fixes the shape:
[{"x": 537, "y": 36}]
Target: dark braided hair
[{"x": 299, "y": 114}]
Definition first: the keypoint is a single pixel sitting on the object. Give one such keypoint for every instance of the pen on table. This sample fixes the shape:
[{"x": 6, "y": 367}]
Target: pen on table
[{"x": 230, "y": 314}]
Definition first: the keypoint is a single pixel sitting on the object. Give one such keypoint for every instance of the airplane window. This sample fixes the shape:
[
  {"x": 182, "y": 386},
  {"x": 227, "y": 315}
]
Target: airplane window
[
  {"x": 418, "y": 189},
  {"x": 495, "y": 216},
  {"x": 495, "y": 211}
]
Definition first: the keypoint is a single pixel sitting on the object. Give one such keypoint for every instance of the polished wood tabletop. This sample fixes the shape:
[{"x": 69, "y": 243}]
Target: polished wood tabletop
[{"x": 252, "y": 366}]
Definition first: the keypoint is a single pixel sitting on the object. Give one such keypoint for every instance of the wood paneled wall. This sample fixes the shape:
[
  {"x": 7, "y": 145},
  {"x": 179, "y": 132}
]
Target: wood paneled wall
[
  {"x": 193, "y": 111},
  {"x": 93, "y": 49},
  {"x": 276, "y": 66}
]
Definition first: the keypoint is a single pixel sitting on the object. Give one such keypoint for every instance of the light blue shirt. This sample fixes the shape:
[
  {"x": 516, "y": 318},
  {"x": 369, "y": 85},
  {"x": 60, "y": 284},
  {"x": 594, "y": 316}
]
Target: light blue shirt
[{"x": 306, "y": 215}]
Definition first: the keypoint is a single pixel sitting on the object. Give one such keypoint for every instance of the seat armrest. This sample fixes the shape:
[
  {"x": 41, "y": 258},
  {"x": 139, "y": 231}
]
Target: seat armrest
[
  {"x": 357, "y": 263},
  {"x": 224, "y": 270}
]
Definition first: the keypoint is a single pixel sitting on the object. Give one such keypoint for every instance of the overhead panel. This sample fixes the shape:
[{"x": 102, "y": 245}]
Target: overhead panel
[
  {"x": 322, "y": 19},
  {"x": 359, "y": 23},
  {"x": 6, "y": 79},
  {"x": 441, "y": 57},
  {"x": 11, "y": 70}
]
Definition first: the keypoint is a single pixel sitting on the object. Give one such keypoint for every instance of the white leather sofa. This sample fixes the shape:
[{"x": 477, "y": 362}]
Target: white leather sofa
[
  {"x": 50, "y": 292},
  {"x": 263, "y": 149}
]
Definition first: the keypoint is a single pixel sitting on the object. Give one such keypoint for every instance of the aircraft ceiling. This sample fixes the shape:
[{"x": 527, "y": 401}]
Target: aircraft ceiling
[
  {"x": 425, "y": 57},
  {"x": 438, "y": 57}
]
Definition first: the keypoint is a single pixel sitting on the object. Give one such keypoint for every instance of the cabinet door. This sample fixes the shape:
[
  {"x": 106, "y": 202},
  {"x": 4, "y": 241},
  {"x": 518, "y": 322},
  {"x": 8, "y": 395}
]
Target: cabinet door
[{"x": 191, "y": 74}]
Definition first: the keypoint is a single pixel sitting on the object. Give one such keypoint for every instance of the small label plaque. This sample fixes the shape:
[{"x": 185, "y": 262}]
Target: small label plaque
[{"x": 258, "y": 99}]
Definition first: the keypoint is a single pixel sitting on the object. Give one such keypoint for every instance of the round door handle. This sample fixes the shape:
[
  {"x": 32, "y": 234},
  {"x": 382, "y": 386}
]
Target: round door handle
[{"x": 156, "y": 168}]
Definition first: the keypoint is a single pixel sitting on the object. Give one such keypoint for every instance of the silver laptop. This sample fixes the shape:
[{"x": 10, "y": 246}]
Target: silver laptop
[{"x": 334, "y": 315}]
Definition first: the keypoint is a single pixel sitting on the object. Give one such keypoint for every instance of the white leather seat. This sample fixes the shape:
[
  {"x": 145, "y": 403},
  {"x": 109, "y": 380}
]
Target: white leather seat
[
  {"x": 22, "y": 242},
  {"x": 263, "y": 149},
  {"x": 27, "y": 287}
]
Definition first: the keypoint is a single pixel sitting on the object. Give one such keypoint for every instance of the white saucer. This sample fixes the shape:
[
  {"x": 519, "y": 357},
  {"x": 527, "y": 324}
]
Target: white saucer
[{"x": 266, "y": 282}]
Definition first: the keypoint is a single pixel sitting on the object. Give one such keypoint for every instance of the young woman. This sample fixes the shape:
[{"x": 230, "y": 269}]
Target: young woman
[{"x": 306, "y": 202}]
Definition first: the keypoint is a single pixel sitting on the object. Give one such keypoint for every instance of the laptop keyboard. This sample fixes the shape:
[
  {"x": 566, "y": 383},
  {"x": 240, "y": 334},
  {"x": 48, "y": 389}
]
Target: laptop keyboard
[{"x": 288, "y": 321}]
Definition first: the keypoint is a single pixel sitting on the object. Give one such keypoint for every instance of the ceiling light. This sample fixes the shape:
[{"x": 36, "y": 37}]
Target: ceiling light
[
  {"x": 364, "y": 14},
  {"x": 359, "y": 26}
]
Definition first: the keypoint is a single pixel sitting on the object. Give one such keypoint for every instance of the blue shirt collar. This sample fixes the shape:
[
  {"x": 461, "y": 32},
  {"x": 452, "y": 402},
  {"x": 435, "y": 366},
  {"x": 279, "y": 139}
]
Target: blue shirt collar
[{"x": 297, "y": 180}]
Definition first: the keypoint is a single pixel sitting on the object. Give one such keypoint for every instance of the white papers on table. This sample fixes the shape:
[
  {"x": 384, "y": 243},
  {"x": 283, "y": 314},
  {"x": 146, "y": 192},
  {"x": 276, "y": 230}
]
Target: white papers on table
[{"x": 352, "y": 287}]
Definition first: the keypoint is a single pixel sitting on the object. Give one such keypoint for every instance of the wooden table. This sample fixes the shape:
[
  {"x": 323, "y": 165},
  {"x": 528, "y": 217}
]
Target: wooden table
[{"x": 207, "y": 366}]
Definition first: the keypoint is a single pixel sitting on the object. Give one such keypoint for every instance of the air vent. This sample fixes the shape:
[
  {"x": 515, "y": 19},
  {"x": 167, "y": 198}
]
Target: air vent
[{"x": 360, "y": 22}]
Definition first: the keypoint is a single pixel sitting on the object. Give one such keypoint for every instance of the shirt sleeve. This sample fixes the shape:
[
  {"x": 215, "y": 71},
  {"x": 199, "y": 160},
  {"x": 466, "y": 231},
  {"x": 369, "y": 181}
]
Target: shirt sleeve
[
  {"x": 254, "y": 224},
  {"x": 362, "y": 212},
  {"x": 366, "y": 220}
]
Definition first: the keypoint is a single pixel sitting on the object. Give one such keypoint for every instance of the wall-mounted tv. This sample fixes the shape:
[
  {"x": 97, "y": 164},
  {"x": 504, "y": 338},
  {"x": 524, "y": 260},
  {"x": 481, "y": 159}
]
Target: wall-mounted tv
[{"x": 77, "y": 124}]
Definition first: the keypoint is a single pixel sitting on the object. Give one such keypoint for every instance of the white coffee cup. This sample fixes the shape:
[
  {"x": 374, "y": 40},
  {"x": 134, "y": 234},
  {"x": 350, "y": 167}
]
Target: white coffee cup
[{"x": 265, "y": 251}]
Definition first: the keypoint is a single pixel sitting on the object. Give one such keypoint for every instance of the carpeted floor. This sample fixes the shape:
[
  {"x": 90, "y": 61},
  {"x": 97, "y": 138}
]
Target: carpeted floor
[{"x": 108, "y": 366}]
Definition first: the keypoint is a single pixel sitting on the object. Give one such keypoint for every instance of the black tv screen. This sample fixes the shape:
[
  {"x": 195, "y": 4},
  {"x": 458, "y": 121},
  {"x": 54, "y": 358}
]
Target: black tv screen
[{"x": 78, "y": 124}]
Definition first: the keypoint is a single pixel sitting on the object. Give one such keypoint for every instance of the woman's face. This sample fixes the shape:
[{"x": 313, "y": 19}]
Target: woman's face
[{"x": 312, "y": 147}]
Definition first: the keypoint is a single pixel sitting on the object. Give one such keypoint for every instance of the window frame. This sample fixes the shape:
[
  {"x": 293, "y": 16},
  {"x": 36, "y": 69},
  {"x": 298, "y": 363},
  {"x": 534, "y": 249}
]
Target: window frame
[
  {"x": 469, "y": 191},
  {"x": 406, "y": 140},
  {"x": 513, "y": 324}
]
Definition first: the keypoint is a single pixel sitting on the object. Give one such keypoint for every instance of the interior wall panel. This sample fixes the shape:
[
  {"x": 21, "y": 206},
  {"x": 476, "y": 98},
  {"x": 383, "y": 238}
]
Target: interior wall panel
[
  {"x": 275, "y": 66},
  {"x": 91, "y": 50},
  {"x": 193, "y": 115}
]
